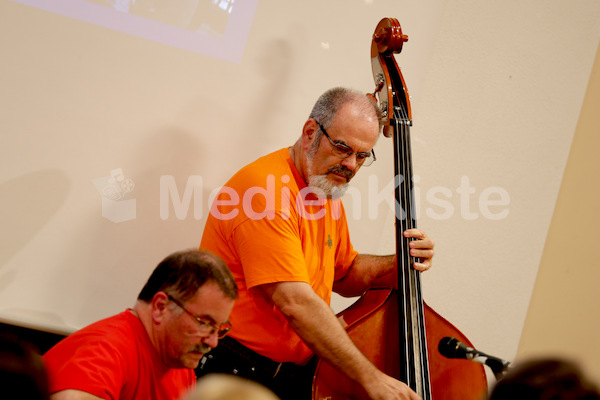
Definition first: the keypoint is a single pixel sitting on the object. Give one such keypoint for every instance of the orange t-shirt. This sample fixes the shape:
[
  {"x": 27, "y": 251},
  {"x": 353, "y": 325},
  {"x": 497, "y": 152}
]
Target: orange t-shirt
[{"x": 268, "y": 226}]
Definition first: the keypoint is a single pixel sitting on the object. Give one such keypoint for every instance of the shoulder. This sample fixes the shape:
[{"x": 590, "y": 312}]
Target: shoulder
[
  {"x": 116, "y": 332},
  {"x": 124, "y": 322},
  {"x": 273, "y": 164}
]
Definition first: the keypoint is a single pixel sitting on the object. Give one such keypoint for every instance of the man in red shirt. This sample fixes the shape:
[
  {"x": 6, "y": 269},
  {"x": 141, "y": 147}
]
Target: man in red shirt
[{"x": 149, "y": 351}]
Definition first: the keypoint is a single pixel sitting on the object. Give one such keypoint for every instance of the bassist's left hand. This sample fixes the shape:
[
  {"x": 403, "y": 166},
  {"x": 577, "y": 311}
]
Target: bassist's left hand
[{"x": 421, "y": 248}]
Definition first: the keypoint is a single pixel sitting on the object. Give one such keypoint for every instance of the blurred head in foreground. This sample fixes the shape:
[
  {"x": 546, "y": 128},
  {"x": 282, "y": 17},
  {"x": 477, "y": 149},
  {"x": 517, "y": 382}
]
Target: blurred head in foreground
[
  {"x": 545, "y": 379},
  {"x": 229, "y": 387}
]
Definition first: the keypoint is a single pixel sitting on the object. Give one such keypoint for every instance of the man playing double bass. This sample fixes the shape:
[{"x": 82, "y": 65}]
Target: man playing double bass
[{"x": 281, "y": 228}]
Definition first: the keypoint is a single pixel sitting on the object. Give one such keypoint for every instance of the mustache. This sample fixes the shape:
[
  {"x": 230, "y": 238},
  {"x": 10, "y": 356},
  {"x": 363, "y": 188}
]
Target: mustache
[
  {"x": 201, "y": 348},
  {"x": 341, "y": 170}
]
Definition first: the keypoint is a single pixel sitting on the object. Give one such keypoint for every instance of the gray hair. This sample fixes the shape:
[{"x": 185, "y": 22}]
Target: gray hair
[{"x": 330, "y": 103}]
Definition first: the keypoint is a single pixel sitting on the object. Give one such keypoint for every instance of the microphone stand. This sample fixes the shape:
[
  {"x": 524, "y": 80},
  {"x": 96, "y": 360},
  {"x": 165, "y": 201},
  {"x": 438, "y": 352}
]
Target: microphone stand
[
  {"x": 452, "y": 348},
  {"x": 497, "y": 366}
]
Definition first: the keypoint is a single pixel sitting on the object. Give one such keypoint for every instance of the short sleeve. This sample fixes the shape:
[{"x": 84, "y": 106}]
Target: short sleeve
[{"x": 270, "y": 250}]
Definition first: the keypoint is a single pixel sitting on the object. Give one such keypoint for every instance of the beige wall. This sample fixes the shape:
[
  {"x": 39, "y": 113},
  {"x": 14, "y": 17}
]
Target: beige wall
[
  {"x": 564, "y": 315},
  {"x": 496, "y": 90}
]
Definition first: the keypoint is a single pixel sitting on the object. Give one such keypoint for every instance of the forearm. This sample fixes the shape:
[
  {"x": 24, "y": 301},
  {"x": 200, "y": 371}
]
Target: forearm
[
  {"x": 315, "y": 323},
  {"x": 365, "y": 272}
]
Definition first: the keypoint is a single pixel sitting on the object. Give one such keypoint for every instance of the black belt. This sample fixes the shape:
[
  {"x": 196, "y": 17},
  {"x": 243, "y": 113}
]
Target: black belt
[
  {"x": 263, "y": 365},
  {"x": 289, "y": 381}
]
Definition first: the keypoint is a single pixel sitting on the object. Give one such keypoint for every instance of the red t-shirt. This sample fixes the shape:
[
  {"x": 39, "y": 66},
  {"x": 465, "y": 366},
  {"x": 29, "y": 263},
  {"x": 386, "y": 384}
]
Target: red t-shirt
[
  {"x": 114, "y": 359},
  {"x": 268, "y": 227}
]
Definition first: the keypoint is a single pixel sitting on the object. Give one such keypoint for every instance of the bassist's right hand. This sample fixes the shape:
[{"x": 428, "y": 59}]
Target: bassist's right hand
[{"x": 387, "y": 388}]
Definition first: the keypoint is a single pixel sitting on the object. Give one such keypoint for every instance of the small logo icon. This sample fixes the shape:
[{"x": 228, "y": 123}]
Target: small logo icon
[
  {"x": 117, "y": 203},
  {"x": 329, "y": 241}
]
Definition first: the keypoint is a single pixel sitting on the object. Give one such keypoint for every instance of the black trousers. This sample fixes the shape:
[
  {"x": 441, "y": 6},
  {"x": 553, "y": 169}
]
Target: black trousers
[{"x": 288, "y": 381}]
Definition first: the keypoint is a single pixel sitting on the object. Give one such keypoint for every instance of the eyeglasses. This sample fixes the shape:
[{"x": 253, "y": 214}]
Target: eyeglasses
[
  {"x": 207, "y": 328},
  {"x": 344, "y": 151}
]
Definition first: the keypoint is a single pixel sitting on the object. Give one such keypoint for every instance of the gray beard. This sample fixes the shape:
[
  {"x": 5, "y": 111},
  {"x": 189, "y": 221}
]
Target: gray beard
[{"x": 325, "y": 188}]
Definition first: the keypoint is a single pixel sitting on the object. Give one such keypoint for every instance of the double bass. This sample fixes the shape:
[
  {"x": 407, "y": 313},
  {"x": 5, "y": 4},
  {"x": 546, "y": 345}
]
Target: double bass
[{"x": 395, "y": 328}]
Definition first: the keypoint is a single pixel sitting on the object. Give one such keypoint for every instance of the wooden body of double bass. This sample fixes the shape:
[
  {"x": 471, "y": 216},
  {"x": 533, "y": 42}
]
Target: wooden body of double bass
[{"x": 372, "y": 325}]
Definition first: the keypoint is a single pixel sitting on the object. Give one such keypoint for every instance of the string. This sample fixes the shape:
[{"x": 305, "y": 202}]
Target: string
[{"x": 417, "y": 370}]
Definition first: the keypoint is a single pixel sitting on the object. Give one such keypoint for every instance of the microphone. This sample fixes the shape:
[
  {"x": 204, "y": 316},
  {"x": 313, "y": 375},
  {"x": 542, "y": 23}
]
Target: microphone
[{"x": 451, "y": 347}]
